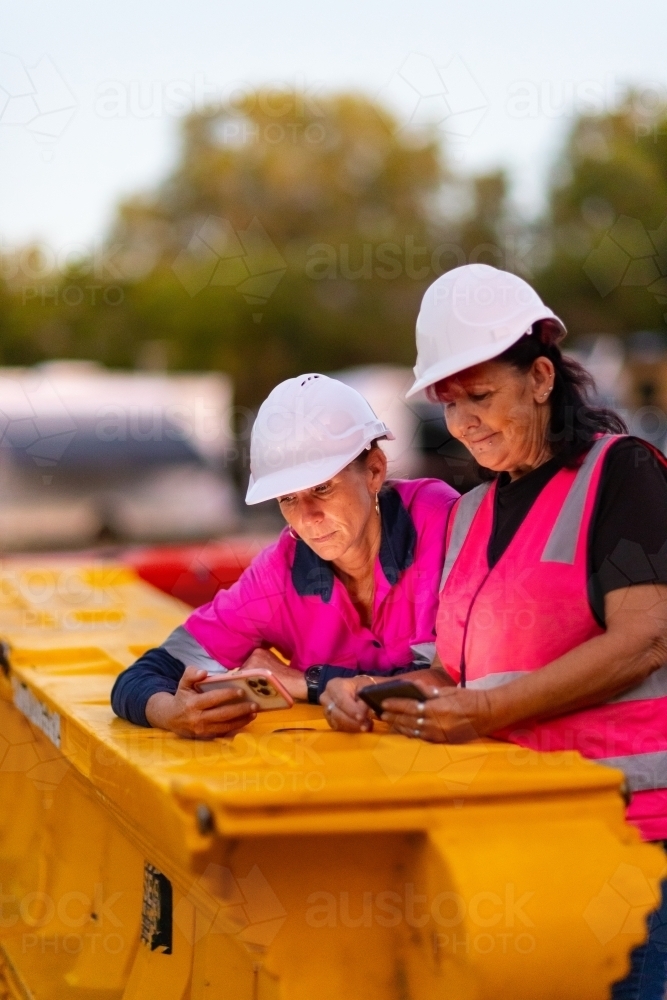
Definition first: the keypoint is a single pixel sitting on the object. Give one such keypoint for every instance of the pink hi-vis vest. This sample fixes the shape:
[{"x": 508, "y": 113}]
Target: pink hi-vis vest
[{"x": 496, "y": 625}]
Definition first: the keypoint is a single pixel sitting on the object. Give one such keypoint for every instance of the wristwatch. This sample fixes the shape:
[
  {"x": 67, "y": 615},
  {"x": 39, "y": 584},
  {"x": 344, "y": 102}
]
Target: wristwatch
[{"x": 312, "y": 675}]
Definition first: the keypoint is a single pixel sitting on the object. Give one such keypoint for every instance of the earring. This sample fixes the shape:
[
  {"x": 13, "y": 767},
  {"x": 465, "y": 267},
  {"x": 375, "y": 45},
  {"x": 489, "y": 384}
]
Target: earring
[
  {"x": 293, "y": 534},
  {"x": 377, "y": 504}
]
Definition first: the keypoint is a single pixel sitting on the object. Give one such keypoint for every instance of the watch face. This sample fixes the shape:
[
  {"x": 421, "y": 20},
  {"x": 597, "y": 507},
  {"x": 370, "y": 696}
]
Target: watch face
[{"x": 313, "y": 674}]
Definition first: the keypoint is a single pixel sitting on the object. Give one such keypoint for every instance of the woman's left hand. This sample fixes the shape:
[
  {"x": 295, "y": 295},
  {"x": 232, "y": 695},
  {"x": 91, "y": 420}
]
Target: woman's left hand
[
  {"x": 454, "y": 715},
  {"x": 293, "y": 680}
]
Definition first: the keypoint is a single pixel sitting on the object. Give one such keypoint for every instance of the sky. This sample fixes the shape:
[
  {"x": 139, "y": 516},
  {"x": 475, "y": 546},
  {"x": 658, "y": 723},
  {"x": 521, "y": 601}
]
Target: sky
[{"x": 91, "y": 93}]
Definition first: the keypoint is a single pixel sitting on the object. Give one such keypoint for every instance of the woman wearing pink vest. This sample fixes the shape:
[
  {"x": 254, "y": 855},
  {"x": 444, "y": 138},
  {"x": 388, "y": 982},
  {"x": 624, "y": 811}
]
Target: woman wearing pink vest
[{"x": 552, "y": 625}]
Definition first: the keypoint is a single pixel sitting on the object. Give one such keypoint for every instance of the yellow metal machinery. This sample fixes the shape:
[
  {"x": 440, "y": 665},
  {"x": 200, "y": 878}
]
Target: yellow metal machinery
[{"x": 289, "y": 861}]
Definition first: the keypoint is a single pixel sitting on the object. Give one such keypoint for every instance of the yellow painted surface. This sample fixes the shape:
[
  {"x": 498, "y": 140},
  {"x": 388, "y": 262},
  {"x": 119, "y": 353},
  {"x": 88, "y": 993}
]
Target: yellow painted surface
[{"x": 301, "y": 862}]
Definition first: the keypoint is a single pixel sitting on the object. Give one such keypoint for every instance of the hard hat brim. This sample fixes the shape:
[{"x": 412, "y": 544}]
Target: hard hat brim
[
  {"x": 467, "y": 359},
  {"x": 304, "y": 477}
]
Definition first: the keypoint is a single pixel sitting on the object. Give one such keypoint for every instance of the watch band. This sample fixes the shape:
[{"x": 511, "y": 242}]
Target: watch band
[{"x": 312, "y": 676}]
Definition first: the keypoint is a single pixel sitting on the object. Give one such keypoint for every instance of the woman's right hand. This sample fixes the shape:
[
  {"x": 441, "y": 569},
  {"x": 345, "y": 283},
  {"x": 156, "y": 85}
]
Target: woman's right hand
[
  {"x": 344, "y": 711},
  {"x": 199, "y": 716}
]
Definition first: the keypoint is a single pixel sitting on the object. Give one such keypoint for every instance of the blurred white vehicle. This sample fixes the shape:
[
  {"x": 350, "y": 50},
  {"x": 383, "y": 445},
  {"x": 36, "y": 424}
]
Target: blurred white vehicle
[{"x": 86, "y": 453}]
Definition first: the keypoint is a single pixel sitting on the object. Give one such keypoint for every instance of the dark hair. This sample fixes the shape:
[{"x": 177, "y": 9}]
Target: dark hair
[
  {"x": 574, "y": 422},
  {"x": 363, "y": 455}
]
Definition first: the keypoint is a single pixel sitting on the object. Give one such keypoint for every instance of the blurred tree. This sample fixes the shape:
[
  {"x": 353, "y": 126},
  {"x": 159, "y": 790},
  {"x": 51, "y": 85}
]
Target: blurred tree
[
  {"x": 482, "y": 230},
  {"x": 298, "y": 233},
  {"x": 607, "y": 223},
  {"x": 292, "y": 235}
]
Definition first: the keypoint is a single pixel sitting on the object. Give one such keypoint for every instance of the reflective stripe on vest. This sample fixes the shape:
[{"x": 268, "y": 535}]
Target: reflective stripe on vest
[
  {"x": 562, "y": 544},
  {"x": 655, "y": 685},
  {"x": 465, "y": 510},
  {"x": 644, "y": 772}
]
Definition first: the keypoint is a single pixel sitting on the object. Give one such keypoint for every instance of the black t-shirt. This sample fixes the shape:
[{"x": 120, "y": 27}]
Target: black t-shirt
[{"x": 627, "y": 543}]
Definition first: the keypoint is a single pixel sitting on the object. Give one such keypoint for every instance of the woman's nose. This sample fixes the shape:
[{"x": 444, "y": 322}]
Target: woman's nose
[
  {"x": 311, "y": 511},
  {"x": 460, "y": 420}
]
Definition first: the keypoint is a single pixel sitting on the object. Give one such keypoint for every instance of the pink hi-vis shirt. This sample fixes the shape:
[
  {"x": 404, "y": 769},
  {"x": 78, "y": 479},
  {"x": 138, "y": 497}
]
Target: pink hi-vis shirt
[{"x": 289, "y": 598}]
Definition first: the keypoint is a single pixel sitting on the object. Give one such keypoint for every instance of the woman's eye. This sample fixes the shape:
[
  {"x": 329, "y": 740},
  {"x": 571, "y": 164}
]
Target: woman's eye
[
  {"x": 324, "y": 488},
  {"x": 285, "y": 500},
  {"x": 478, "y": 396}
]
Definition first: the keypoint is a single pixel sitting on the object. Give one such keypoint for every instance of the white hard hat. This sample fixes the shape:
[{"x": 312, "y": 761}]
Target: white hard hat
[
  {"x": 307, "y": 430},
  {"x": 469, "y": 315}
]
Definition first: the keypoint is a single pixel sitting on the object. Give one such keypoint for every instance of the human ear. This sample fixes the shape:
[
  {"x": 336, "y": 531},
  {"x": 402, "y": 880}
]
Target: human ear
[
  {"x": 542, "y": 374},
  {"x": 376, "y": 465}
]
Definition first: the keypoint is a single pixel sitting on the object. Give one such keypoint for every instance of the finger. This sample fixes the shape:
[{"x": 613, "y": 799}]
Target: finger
[
  {"x": 191, "y": 676},
  {"x": 399, "y": 719},
  {"x": 227, "y": 728},
  {"x": 340, "y": 720},
  {"x": 227, "y": 713},
  {"x": 404, "y": 706},
  {"x": 351, "y": 707},
  {"x": 429, "y": 689},
  {"x": 423, "y": 734},
  {"x": 211, "y": 699},
  {"x": 404, "y": 730}
]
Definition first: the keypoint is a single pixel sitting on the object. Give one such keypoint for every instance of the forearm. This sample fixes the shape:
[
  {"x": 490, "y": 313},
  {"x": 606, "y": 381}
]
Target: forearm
[
  {"x": 431, "y": 675},
  {"x": 158, "y": 709},
  {"x": 157, "y": 671},
  {"x": 588, "y": 675}
]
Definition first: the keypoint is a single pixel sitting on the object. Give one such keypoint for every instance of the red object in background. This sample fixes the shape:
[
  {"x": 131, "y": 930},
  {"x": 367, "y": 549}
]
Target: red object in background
[{"x": 195, "y": 573}]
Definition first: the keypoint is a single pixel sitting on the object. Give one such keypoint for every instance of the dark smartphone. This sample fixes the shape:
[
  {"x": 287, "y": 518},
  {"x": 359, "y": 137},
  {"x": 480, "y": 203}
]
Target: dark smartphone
[{"x": 375, "y": 694}]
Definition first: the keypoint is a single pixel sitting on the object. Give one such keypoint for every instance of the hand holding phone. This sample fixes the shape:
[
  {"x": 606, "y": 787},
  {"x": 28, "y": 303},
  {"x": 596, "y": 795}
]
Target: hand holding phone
[
  {"x": 395, "y": 687},
  {"x": 258, "y": 685}
]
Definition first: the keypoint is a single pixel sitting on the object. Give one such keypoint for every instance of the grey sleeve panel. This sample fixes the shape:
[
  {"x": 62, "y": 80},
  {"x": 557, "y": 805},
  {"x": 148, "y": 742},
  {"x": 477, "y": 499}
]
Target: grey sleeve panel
[
  {"x": 468, "y": 506},
  {"x": 190, "y": 652},
  {"x": 561, "y": 545},
  {"x": 423, "y": 652}
]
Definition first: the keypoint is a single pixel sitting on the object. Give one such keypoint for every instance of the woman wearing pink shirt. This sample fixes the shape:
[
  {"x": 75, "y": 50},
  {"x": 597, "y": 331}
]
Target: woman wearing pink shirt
[{"x": 349, "y": 589}]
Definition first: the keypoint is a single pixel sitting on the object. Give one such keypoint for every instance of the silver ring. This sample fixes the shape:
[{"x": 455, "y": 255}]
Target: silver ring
[
  {"x": 329, "y": 709},
  {"x": 417, "y": 733},
  {"x": 420, "y": 721},
  {"x": 421, "y": 707}
]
